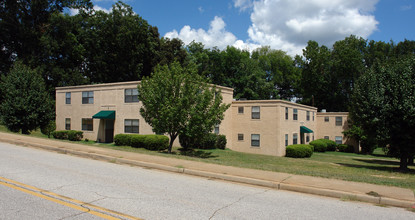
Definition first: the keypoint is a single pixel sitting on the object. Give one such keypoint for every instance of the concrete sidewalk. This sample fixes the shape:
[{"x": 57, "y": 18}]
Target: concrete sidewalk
[{"x": 386, "y": 195}]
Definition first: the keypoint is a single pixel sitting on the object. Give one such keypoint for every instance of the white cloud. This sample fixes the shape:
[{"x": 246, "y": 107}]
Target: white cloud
[
  {"x": 216, "y": 36},
  {"x": 73, "y": 11},
  {"x": 242, "y": 4},
  {"x": 289, "y": 24}
]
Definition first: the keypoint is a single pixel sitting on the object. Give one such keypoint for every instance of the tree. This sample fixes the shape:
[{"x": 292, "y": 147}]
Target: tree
[
  {"x": 280, "y": 71},
  {"x": 120, "y": 46},
  {"x": 316, "y": 84},
  {"x": 22, "y": 24},
  {"x": 176, "y": 101},
  {"x": 383, "y": 104},
  {"x": 26, "y": 104}
]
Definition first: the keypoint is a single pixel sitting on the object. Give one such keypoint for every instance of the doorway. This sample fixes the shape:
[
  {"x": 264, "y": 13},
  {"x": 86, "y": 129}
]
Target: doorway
[{"x": 109, "y": 130}]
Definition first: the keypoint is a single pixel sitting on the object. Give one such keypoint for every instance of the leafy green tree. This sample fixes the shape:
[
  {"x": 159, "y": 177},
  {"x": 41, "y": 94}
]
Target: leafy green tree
[
  {"x": 26, "y": 105},
  {"x": 316, "y": 87},
  {"x": 171, "y": 50},
  {"x": 383, "y": 104},
  {"x": 63, "y": 54},
  {"x": 120, "y": 46},
  {"x": 280, "y": 71},
  {"x": 22, "y": 24},
  {"x": 176, "y": 101}
]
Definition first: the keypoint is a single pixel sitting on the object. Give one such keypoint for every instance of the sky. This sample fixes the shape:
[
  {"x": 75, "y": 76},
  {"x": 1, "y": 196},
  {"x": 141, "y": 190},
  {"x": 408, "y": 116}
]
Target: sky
[{"x": 281, "y": 24}]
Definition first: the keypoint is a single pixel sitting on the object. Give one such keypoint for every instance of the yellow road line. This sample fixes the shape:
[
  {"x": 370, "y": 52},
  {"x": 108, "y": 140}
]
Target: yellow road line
[{"x": 78, "y": 204}]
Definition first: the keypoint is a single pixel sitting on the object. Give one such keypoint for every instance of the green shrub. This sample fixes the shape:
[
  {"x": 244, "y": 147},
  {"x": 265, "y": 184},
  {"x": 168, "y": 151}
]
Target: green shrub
[
  {"x": 331, "y": 145},
  {"x": 60, "y": 134},
  {"x": 71, "y": 135},
  {"x": 319, "y": 145},
  {"x": 298, "y": 151},
  {"x": 208, "y": 141},
  {"x": 221, "y": 142},
  {"x": 48, "y": 128},
  {"x": 122, "y": 139},
  {"x": 75, "y": 135},
  {"x": 137, "y": 140},
  {"x": 156, "y": 142},
  {"x": 345, "y": 148},
  {"x": 188, "y": 142}
]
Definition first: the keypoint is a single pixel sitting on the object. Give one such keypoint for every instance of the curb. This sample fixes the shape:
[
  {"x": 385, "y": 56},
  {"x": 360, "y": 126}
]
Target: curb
[{"x": 238, "y": 179}]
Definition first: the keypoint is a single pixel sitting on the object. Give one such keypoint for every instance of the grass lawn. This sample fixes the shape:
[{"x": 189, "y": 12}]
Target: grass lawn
[{"x": 376, "y": 169}]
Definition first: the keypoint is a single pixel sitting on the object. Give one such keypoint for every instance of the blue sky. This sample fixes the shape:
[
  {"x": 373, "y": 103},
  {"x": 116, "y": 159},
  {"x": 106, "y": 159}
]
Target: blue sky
[{"x": 282, "y": 24}]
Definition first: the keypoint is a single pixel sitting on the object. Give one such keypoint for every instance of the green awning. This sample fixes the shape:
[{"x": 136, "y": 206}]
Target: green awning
[
  {"x": 304, "y": 129},
  {"x": 105, "y": 115}
]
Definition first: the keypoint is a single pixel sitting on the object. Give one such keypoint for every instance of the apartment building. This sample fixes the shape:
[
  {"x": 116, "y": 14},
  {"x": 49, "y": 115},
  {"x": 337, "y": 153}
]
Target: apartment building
[{"x": 260, "y": 126}]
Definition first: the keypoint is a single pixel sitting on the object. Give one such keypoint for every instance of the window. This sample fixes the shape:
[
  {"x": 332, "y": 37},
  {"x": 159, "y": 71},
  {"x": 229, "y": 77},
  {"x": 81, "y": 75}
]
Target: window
[
  {"x": 131, "y": 126},
  {"x": 88, "y": 97},
  {"x": 286, "y": 113},
  {"x": 326, "y": 137},
  {"x": 87, "y": 124},
  {"x": 339, "y": 121},
  {"x": 255, "y": 140},
  {"x": 255, "y": 112},
  {"x": 295, "y": 138},
  {"x": 240, "y": 110},
  {"x": 307, "y": 138},
  {"x": 216, "y": 129},
  {"x": 326, "y": 119},
  {"x": 130, "y": 95},
  {"x": 308, "y": 116},
  {"x": 339, "y": 139},
  {"x": 295, "y": 114},
  {"x": 240, "y": 137},
  {"x": 286, "y": 139},
  {"x": 67, "y": 124},
  {"x": 313, "y": 116},
  {"x": 68, "y": 98}
]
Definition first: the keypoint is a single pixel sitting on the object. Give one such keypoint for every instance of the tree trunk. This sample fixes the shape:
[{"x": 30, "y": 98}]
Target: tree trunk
[
  {"x": 25, "y": 131},
  {"x": 411, "y": 160},
  {"x": 403, "y": 165},
  {"x": 172, "y": 138}
]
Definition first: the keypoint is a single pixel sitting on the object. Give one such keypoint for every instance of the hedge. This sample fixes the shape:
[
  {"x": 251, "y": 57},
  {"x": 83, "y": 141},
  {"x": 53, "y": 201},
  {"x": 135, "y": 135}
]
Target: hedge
[
  {"x": 156, "y": 142},
  {"x": 122, "y": 140},
  {"x": 150, "y": 142},
  {"x": 299, "y": 151},
  {"x": 345, "y": 148},
  {"x": 319, "y": 145},
  {"x": 331, "y": 145},
  {"x": 71, "y": 135},
  {"x": 208, "y": 141}
]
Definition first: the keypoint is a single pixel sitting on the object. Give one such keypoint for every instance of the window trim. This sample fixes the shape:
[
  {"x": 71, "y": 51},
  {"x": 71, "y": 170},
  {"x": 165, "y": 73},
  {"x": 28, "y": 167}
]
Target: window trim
[
  {"x": 295, "y": 114},
  {"x": 255, "y": 114},
  {"x": 286, "y": 113},
  {"x": 254, "y": 142},
  {"x": 88, "y": 99},
  {"x": 240, "y": 109},
  {"x": 295, "y": 140},
  {"x": 131, "y": 130},
  {"x": 341, "y": 139},
  {"x": 339, "y": 122},
  {"x": 240, "y": 137},
  {"x": 130, "y": 98},
  {"x": 286, "y": 139},
  {"x": 68, "y": 100},
  {"x": 87, "y": 124},
  {"x": 216, "y": 129},
  {"x": 67, "y": 125}
]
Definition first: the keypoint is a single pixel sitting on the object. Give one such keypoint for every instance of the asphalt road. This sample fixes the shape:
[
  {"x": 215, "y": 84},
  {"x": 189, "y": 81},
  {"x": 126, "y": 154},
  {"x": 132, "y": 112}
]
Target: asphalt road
[{"x": 36, "y": 184}]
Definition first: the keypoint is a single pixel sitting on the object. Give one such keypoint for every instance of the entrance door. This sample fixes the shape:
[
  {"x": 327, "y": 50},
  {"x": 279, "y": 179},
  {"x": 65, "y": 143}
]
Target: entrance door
[
  {"x": 302, "y": 138},
  {"x": 109, "y": 130}
]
